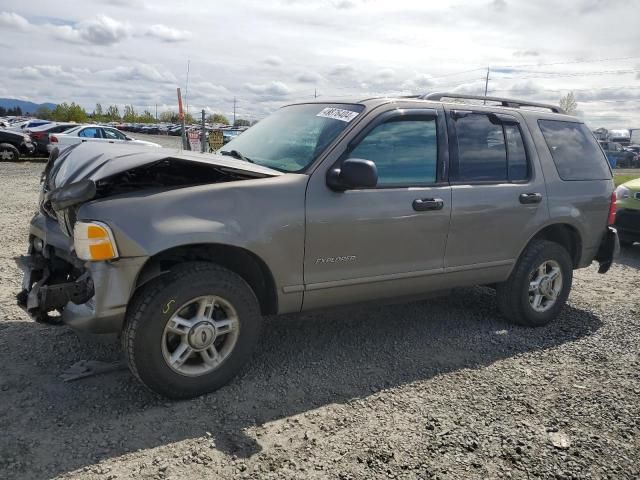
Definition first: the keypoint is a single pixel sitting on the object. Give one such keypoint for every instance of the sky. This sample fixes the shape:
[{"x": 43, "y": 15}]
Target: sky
[{"x": 267, "y": 53}]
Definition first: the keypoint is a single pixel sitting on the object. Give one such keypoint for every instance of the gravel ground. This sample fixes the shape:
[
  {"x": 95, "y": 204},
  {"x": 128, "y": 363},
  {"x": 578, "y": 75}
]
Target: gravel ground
[{"x": 434, "y": 389}]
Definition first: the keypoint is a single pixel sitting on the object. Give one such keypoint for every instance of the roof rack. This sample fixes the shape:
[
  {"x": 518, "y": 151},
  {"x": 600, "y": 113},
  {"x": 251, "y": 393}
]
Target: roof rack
[{"x": 505, "y": 102}]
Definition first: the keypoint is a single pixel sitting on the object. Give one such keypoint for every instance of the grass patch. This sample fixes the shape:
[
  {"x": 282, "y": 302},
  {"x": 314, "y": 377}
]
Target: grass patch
[{"x": 619, "y": 179}]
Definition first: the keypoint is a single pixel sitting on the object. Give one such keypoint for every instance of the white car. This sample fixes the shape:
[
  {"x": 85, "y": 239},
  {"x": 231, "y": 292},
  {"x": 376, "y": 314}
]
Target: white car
[{"x": 95, "y": 133}]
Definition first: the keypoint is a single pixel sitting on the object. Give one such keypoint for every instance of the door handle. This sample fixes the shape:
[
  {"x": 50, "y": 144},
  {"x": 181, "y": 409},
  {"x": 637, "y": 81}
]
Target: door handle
[
  {"x": 529, "y": 198},
  {"x": 423, "y": 204},
  {"x": 83, "y": 141},
  {"x": 110, "y": 141}
]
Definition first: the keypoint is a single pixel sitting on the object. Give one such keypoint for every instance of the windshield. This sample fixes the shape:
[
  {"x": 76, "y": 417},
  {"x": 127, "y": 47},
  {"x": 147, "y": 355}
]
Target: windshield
[{"x": 291, "y": 138}]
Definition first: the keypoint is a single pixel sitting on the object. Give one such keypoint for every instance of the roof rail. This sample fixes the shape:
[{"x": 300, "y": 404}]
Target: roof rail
[{"x": 505, "y": 102}]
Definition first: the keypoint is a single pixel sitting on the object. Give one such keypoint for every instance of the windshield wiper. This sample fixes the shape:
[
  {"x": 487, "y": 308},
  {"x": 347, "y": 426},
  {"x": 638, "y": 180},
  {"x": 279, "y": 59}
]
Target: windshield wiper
[{"x": 236, "y": 154}]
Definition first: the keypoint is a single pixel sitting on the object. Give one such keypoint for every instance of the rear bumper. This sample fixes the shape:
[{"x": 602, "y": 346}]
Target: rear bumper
[
  {"x": 90, "y": 296},
  {"x": 609, "y": 250}
]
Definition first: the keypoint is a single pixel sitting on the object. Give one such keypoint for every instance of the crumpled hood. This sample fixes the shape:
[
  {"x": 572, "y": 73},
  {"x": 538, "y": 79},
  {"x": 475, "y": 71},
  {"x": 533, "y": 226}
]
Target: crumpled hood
[{"x": 96, "y": 161}]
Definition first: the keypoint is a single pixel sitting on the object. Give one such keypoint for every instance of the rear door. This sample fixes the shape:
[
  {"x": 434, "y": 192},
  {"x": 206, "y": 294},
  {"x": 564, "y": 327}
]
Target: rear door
[
  {"x": 90, "y": 134},
  {"x": 498, "y": 192}
]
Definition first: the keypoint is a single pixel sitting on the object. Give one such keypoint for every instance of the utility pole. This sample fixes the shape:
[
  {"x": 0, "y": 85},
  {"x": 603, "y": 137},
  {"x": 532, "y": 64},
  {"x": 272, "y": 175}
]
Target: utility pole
[
  {"x": 156, "y": 113},
  {"x": 234, "y": 111},
  {"x": 486, "y": 85},
  {"x": 315, "y": 93}
]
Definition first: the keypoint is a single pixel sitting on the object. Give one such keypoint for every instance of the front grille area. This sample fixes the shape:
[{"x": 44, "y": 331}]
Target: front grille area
[{"x": 628, "y": 220}]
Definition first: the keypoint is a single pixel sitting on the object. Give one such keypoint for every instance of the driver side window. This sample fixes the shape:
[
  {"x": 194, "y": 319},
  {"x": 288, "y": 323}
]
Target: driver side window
[
  {"x": 113, "y": 134},
  {"x": 405, "y": 151}
]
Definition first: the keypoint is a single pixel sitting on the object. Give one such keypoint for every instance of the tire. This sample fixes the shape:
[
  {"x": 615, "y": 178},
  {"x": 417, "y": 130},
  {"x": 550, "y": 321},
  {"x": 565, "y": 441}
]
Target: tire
[
  {"x": 9, "y": 153},
  {"x": 147, "y": 337},
  {"x": 513, "y": 296}
]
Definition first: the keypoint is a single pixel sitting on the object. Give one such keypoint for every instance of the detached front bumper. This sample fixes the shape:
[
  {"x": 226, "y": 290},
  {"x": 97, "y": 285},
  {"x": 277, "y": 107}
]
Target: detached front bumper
[
  {"x": 89, "y": 296},
  {"x": 609, "y": 250}
]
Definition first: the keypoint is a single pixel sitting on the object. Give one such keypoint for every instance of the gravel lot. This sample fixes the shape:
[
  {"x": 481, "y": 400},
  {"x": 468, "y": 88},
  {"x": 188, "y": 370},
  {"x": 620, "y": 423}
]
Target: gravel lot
[{"x": 435, "y": 389}]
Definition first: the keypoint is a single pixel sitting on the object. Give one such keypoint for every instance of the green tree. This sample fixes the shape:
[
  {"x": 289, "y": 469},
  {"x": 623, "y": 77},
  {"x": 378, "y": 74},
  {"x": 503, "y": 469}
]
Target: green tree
[
  {"x": 146, "y": 117},
  {"x": 569, "y": 104},
  {"x": 44, "y": 113},
  {"x": 129, "y": 114},
  {"x": 241, "y": 122},
  {"x": 61, "y": 112},
  {"x": 98, "y": 114},
  {"x": 113, "y": 114},
  {"x": 218, "y": 118},
  {"x": 188, "y": 119},
  {"x": 77, "y": 113},
  {"x": 169, "y": 117}
]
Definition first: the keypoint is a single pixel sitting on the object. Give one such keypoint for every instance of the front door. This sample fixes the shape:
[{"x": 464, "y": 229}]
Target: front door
[{"x": 387, "y": 241}]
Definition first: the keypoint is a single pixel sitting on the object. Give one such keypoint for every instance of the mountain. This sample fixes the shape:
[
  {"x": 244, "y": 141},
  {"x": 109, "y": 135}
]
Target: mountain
[{"x": 29, "y": 107}]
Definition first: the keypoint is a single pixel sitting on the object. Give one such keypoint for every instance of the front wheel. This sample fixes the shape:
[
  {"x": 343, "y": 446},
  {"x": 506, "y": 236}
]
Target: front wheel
[
  {"x": 9, "y": 153},
  {"x": 539, "y": 285},
  {"x": 190, "y": 331}
]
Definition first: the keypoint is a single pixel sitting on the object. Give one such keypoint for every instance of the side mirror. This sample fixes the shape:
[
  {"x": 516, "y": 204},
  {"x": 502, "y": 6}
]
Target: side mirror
[{"x": 353, "y": 173}]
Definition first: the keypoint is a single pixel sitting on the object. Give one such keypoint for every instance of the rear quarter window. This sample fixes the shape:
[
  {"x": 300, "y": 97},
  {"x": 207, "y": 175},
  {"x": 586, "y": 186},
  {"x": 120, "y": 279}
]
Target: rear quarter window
[{"x": 575, "y": 151}]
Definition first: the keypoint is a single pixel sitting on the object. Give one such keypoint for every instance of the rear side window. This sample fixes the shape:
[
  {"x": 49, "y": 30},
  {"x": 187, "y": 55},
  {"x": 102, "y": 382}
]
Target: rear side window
[
  {"x": 574, "y": 150},
  {"x": 90, "y": 132},
  {"x": 489, "y": 152}
]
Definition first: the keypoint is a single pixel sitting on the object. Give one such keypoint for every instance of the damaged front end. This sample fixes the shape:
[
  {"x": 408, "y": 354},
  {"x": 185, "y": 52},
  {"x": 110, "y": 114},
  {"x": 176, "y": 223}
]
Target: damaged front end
[
  {"x": 63, "y": 283},
  {"x": 51, "y": 280}
]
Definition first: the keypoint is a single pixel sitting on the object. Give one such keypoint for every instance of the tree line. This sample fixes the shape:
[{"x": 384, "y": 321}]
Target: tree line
[{"x": 73, "y": 112}]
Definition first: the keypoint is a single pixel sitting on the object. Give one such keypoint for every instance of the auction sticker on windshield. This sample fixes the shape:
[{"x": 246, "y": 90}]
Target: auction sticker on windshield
[{"x": 337, "y": 114}]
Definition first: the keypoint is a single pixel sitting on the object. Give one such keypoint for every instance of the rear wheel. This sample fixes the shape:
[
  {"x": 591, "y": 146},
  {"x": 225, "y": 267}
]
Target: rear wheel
[
  {"x": 539, "y": 285},
  {"x": 190, "y": 331},
  {"x": 8, "y": 153}
]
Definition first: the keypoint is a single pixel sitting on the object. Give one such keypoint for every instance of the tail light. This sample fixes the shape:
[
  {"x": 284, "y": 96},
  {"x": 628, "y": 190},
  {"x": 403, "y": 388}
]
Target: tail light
[
  {"x": 38, "y": 135},
  {"x": 612, "y": 210},
  {"x": 53, "y": 139}
]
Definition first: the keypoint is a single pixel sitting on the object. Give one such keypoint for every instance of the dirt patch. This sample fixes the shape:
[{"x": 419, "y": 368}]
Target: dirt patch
[{"x": 435, "y": 389}]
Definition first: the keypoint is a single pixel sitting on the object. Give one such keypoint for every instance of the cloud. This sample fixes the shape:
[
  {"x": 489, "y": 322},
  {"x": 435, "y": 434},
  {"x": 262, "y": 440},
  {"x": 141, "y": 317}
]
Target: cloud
[
  {"x": 13, "y": 21},
  {"x": 141, "y": 71},
  {"x": 126, "y": 3},
  {"x": 168, "y": 34},
  {"x": 498, "y": 5},
  {"x": 341, "y": 70},
  {"x": 273, "y": 60},
  {"x": 207, "y": 89},
  {"x": 100, "y": 30},
  {"x": 382, "y": 77},
  {"x": 526, "y": 53},
  {"x": 49, "y": 72},
  {"x": 419, "y": 83},
  {"x": 344, "y": 4},
  {"x": 308, "y": 77},
  {"x": 272, "y": 89}
]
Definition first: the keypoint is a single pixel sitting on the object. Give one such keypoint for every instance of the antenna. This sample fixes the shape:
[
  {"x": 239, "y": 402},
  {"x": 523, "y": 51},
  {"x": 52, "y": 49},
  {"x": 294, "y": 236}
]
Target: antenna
[
  {"x": 486, "y": 85},
  {"x": 186, "y": 90}
]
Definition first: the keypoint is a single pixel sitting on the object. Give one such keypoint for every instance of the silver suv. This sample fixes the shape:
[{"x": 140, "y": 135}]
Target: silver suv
[{"x": 319, "y": 204}]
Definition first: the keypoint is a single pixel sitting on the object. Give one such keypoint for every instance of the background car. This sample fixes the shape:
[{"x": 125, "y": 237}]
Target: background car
[
  {"x": 618, "y": 156},
  {"x": 40, "y": 135},
  {"x": 628, "y": 212},
  {"x": 13, "y": 144},
  {"x": 95, "y": 133}
]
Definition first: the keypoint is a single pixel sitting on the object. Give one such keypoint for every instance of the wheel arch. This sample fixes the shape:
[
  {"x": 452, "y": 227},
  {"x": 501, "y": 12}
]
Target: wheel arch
[
  {"x": 564, "y": 234},
  {"x": 239, "y": 260}
]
